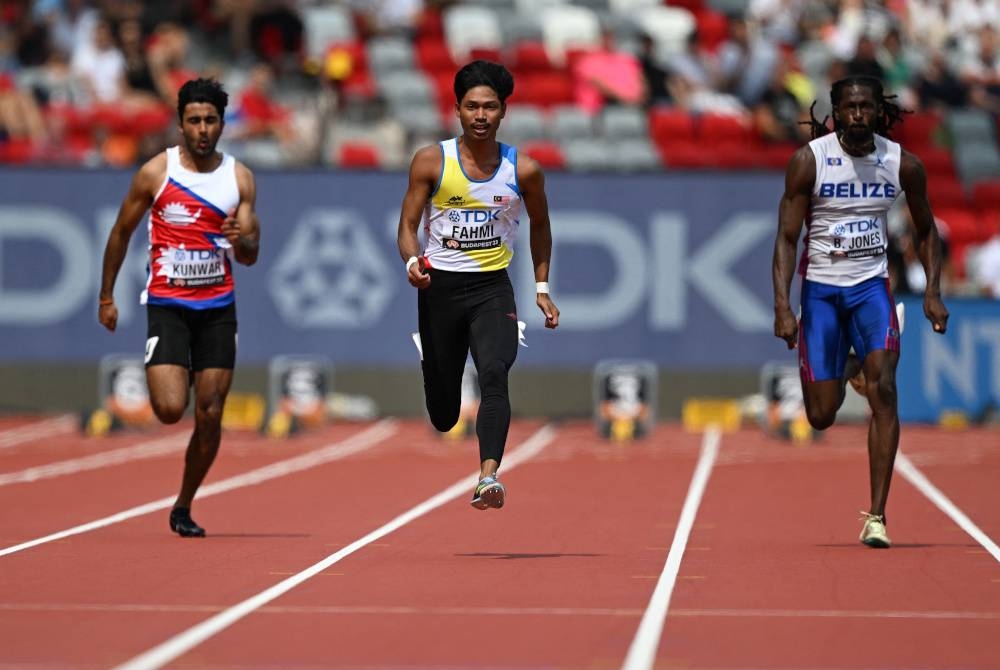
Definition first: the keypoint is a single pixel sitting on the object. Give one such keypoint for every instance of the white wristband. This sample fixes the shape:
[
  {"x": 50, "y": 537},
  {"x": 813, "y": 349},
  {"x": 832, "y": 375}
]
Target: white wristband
[
  {"x": 541, "y": 287},
  {"x": 410, "y": 261}
]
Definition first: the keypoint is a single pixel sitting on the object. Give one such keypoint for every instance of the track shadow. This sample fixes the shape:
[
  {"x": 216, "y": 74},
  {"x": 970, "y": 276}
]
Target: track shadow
[
  {"x": 902, "y": 545},
  {"x": 509, "y": 556},
  {"x": 275, "y": 535}
]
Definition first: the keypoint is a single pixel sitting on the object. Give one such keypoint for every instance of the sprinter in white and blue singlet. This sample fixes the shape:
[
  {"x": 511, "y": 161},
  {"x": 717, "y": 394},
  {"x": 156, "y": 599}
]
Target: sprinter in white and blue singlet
[
  {"x": 841, "y": 186},
  {"x": 467, "y": 193},
  {"x": 202, "y": 218}
]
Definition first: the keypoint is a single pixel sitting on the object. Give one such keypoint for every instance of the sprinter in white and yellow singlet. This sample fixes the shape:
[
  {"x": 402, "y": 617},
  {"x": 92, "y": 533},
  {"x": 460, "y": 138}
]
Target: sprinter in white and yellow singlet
[{"x": 467, "y": 192}]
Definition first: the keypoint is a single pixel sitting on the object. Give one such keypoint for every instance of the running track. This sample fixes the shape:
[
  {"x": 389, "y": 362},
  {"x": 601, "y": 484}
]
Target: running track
[{"x": 355, "y": 547}]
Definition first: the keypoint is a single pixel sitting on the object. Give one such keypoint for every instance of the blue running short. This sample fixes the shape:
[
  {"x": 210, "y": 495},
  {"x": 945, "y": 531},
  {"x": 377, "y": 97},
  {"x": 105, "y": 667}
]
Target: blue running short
[{"x": 834, "y": 318}]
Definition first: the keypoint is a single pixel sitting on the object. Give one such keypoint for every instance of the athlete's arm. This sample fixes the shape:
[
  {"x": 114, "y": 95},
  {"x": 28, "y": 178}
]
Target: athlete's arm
[
  {"x": 800, "y": 178},
  {"x": 242, "y": 227},
  {"x": 425, "y": 168},
  {"x": 531, "y": 181},
  {"x": 913, "y": 179},
  {"x": 146, "y": 181}
]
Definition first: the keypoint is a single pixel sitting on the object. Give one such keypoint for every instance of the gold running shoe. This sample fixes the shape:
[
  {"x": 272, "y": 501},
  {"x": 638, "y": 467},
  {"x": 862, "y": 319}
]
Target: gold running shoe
[{"x": 873, "y": 532}]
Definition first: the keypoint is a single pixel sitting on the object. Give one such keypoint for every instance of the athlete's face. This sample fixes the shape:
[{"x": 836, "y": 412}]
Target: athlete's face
[
  {"x": 856, "y": 114},
  {"x": 201, "y": 127},
  {"x": 480, "y": 111}
]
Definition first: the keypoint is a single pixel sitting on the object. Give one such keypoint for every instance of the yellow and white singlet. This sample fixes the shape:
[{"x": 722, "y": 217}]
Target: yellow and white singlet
[{"x": 471, "y": 224}]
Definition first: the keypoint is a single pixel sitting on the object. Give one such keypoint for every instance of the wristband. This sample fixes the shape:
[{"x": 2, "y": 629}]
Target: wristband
[
  {"x": 410, "y": 261},
  {"x": 106, "y": 301},
  {"x": 541, "y": 287}
]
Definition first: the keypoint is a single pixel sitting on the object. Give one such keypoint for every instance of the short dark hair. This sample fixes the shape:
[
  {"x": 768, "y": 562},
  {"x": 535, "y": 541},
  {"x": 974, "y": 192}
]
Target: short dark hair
[
  {"x": 484, "y": 73},
  {"x": 202, "y": 90}
]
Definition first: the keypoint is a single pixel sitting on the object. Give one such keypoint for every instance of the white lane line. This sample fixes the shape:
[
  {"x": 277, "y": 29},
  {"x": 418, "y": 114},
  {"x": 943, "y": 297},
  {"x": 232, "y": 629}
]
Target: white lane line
[
  {"x": 148, "y": 449},
  {"x": 57, "y": 425},
  {"x": 332, "y": 452},
  {"x": 384, "y": 610},
  {"x": 187, "y": 640},
  {"x": 642, "y": 651},
  {"x": 906, "y": 468}
]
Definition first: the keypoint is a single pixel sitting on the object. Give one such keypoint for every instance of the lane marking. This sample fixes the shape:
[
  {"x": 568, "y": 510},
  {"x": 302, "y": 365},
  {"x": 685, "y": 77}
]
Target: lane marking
[
  {"x": 187, "y": 640},
  {"x": 913, "y": 475},
  {"x": 149, "y": 449},
  {"x": 309, "y": 610},
  {"x": 642, "y": 651},
  {"x": 331, "y": 452},
  {"x": 57, "y": 425}
]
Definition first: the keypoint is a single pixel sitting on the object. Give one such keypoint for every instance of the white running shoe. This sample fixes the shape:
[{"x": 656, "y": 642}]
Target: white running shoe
[{"x": 873, "y": 532}]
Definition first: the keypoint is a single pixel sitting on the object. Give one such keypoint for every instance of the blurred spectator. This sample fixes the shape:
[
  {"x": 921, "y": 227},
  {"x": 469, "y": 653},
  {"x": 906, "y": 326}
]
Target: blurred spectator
[
  {"x": 691, "y": 83},
  {"x": 138, "y": 75},
  {"x": 745, "y": 62},
  {"x": 984, "y": 267},
  {"x": 779, "y": 113},
  {"x": 167, "y": 54},
  {"x": 655, "y": 77},
  {"x": 980, "y": 70},
  {"x": 99, "y": 67},
  {"x": 900, "y": 64},
  {"x": 937, "y": 87},
  {"x": 257, "y": 115},
  {"x": 607, "y": 75},
  {"x": 276, "y": 32},
  {"x": 865, "y": 61}
]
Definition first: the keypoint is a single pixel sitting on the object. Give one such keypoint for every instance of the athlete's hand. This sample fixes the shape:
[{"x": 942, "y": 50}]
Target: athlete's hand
[
  {"x": 231, "y": 228},
  {"x": 936, "y": 313},
  {"x": 107, "y": 314},
  {"x": 417, "y": 274},
  {"x": 548, "y": 308},
  {"x": 786, "y": 326}
]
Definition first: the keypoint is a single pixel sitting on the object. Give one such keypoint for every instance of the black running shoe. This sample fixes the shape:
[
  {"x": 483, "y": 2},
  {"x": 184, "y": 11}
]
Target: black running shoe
[{"x": 182, "y": 523}]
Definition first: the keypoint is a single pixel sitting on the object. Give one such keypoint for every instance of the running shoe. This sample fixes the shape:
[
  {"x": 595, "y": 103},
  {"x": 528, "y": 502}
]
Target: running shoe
[
  {"x": 873, "y": 532},
  {"x": 182, "y": 523},
  {"x": 489, "y": 493}
]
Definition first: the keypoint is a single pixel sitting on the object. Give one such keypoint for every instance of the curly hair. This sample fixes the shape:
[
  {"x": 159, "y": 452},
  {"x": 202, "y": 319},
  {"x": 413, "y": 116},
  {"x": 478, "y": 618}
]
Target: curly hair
[
  {"x": 890, "y": 115},
  {"x": 484, "y": 73}
]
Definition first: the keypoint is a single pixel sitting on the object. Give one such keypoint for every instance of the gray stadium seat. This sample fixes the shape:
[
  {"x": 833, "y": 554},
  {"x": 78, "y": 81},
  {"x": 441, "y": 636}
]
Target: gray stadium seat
[
  {"x": 635, "y": 155},
  {"x": 569, "y": 27},
  {"x": 325, "y": 26},
  {"x": 518, "y": 27},
  {"x": 568, "y": 122},
  {"x": 402, "y": 89},
  {"x": 523, "y": 123},
  {"x": 588, "y": 155},
  {"x": 620, "y": 123},
  {"x": 386, "y": 54},
  {"x": 970, "y": 125},
  {"x": 469, "y": 26},
  {"x": 421, "y": 120},
  {"x": 976, "y": 161}
]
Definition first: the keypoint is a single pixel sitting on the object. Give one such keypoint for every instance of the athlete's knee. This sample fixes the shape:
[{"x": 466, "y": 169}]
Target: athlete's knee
[
  {"x": 493, "y": 378},
  {"x": 208, "y": 411},
  {"x": 443, "y": 420},
  {"x": 168, "y": 412},
  {"x": 881, "y": 392},
  {"x": 820, "y": 418}
]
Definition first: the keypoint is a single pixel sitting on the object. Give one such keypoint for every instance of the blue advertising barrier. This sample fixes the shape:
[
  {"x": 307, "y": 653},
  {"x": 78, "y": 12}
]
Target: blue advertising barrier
[
  {"x": 670, "y": 268},
  {"x": 958, "y": 371}
]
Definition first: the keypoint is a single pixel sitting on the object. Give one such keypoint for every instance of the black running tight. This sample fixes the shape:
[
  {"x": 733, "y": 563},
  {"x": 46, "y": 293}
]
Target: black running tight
[{"x": 462, "y": 312}]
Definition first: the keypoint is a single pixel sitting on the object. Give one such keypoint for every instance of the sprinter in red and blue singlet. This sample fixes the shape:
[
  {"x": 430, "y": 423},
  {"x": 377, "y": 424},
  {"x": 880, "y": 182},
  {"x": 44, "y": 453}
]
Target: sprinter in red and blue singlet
[{"x": 202, "y": 218}]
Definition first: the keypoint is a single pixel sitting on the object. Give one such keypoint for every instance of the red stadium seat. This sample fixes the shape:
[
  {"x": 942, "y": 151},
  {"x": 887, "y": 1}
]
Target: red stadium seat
[
  {"x": 918, "y": 130},
  {"x": 686, "y": 154},
  {"x": 713, "y": 28},
  {"x": 545, "y": 89},
  {"x": 434, "y": 56},
  {"x": 963, "y": 225},
  {"x": 358, "y": 154},
  {"x": 714, "y": 128},
  {"x": 548, "y": 154},
  {"x": 530, "y": 56},
  {"x": 938, "y": 162},
  {"x": 946, "y": 193},
  {"x": 668, "y": 125},
  {"x": 986, "y": 195}
]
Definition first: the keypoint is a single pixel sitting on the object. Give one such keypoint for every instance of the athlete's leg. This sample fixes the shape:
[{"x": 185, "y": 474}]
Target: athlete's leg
[
  {"x": 494, "y": 348},
  {"x": 169, "y": 387},
  {"x": 211, "y": 386},
  {"x": 444, "y": 340},
  {"x": 823, "y": 346},
  {"x": 875, "y": 331},
  {"x": 168, "y": 344}
]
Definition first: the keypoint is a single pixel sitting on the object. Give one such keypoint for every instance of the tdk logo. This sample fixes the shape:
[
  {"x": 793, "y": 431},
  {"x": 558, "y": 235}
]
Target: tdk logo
[
  {"x": 473, "y": 216},
  {"x": 853, "y": 189},
  {"x": 862, "y": 226}
]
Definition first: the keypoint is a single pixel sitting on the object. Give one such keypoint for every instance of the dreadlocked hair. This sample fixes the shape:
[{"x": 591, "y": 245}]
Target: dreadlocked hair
[{"x": 891, "y": 112}]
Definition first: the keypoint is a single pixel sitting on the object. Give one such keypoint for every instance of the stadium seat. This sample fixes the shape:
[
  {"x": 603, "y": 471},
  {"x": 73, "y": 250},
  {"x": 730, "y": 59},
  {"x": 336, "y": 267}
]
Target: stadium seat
[
  {"x": 634, "y": 155},
  {"x": 713, "y": 28},
  {"x": 669, "y": 124},
  {"x": 523, "y": 123},
  {"x": 918, "y": 131},
  {"x": 717, "y": 128},
  {"x": 977, "y": 161},
  {"x": 986, "y": 195},
  {"x": 938, "y": 162},
  {"x": 626, "y": 7},
  {"x": 468, "y": 26},
  {"x": 386, "y": 54},
  {"x": 358, "y": 154},
  {"x": 548, "y": 154},
  {"x": 668, "y": 26},
  {"x": 962, "y": 224},
  {"x": 970, "y": 126},
  {"x": 568, "y": 26},
  {"x": 325, "y": 25},
  {"x": 570, "y": 123},
  {"x": 621, "y": 123},
  {"x": 589, "y": 155},
  {"x": 545, "y": 89},
  {"x": 946, "y": 193},
  {"x": 530, "y": 56},
  {"x": 433, "y": 55},
  {"x": 685, "y": 154}
]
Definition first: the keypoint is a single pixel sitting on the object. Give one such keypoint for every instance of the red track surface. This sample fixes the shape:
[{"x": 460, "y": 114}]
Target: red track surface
[{"x": 772, "y": 574}]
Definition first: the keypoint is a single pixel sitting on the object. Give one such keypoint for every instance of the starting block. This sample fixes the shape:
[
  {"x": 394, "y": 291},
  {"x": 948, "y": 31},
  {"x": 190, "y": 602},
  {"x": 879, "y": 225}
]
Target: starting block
[
  {"x": 698, "y": 414},
  {"x": 785, "y": 414},
  {"x": 296, "y": 393},
  {"x": 122, "y": 397},
  {"x": 244, "y": 411},
  {"x": 625, "y": 398}
]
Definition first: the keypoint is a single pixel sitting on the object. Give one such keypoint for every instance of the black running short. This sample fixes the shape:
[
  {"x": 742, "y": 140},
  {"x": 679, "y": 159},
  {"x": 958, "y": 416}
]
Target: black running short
[{"x": 193, "y": 338}]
